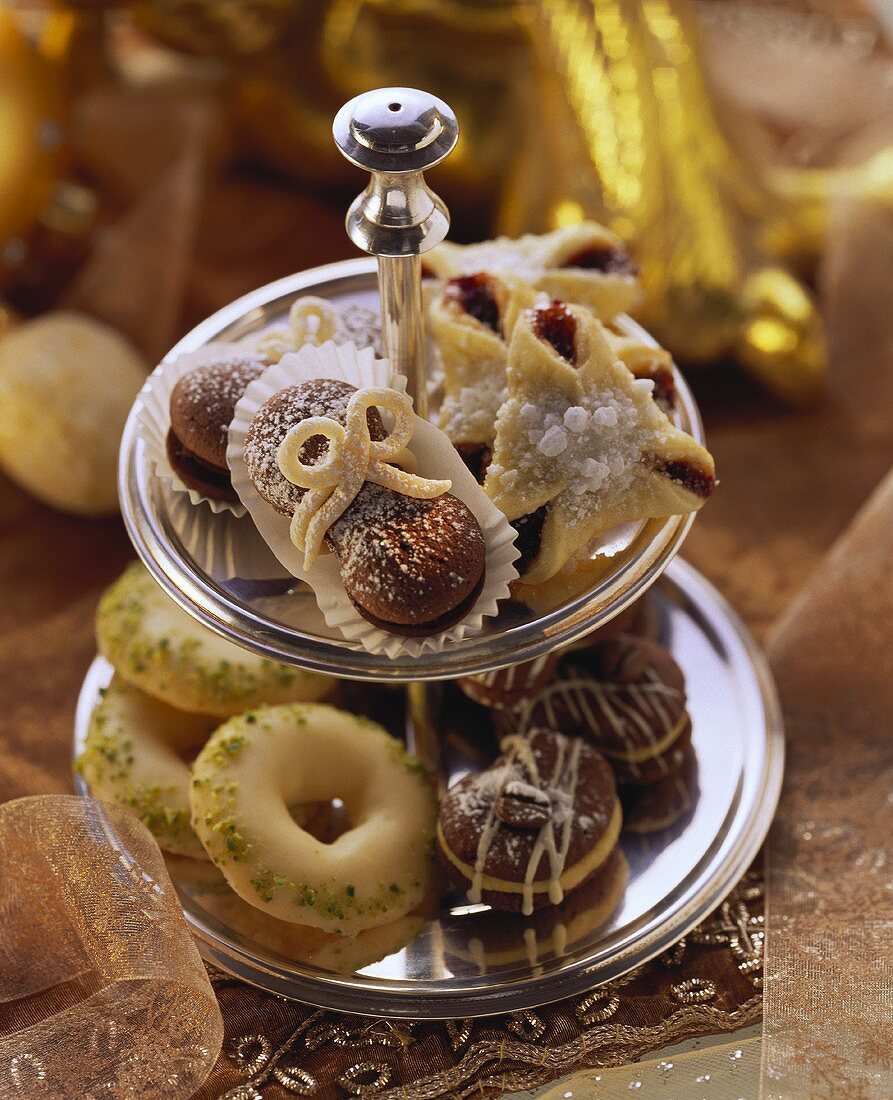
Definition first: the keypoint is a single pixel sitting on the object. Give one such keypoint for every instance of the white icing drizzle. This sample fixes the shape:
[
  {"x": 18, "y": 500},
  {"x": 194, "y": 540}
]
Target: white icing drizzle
[
  {"x": 624, "y": 707},
  {"x": 511, "y": 676},
  {"x": 554, "y": 836}
]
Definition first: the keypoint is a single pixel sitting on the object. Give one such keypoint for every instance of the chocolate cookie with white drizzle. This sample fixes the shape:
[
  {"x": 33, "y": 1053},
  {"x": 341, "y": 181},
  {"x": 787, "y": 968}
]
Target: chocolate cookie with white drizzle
[
  {"x": 532, "y": 827},
  {"x": 503, "y": 688},
  {"x": 626, "y": 697}
]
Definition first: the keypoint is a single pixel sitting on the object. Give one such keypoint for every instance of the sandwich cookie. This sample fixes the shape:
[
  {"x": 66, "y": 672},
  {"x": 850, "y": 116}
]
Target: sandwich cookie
[{"x": 532, "y": 827}]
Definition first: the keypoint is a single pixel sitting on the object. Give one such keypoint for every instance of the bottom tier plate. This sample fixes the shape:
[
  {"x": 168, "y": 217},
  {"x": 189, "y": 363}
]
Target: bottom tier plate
[{"x": 457, "y": 961}]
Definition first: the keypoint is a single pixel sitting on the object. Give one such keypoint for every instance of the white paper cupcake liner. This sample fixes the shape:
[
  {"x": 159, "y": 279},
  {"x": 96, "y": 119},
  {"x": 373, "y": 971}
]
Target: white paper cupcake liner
[
  {"x": 436, "y": 457},
  {"x": 223, "y": 545},
  {"x": 155, "y": 419}
]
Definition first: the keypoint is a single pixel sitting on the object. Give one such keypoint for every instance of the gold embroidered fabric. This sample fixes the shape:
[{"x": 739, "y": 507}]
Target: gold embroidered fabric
[
  {"x": 708, "y": 983},
  {"x": 102, "y": 992}
]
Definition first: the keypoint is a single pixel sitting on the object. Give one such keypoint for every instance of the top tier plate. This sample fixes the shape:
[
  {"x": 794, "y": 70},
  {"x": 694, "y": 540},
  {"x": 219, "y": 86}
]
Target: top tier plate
[{"x": 220, "y": 571}]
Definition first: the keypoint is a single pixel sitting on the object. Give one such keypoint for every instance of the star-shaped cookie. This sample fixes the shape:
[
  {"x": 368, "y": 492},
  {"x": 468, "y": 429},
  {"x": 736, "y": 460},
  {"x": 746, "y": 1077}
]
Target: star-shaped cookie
[{"x": 580, "y": 442}]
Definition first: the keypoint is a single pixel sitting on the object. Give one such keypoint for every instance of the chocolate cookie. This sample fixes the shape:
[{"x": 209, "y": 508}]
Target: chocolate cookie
[
  {"x": 202, "y": 406},
  {"x": 413, "y": 567},
  {"x": 410, "y": 566},
  {"x": 660, "y": 766},
  {"x": 658, "y": 806},
  {"x": 533, "y": 826},
  {"x": 509, "y": 687},
  {"x": 625, "y": 695},
  {"x": 493, "y": 939},
  {"x": 271, "y": 424}
]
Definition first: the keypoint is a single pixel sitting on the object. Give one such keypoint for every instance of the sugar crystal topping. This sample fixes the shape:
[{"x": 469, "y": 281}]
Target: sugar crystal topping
[{"x": 587, "y": 446}]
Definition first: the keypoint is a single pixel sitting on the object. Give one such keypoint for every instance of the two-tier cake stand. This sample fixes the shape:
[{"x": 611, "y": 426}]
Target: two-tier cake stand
[{"x": 439, "y": 963}]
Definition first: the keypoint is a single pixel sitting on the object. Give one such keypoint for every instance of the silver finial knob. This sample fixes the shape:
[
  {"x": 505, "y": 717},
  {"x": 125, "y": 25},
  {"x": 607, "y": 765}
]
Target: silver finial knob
[{"x": 396, "y": 133}]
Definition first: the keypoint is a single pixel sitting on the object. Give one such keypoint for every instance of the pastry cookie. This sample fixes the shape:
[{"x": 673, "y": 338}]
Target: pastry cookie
[
  {"x": 471, "y": 319},
  {"x": 581, "y": 446},
  {"x": 67, "y": 383},
  {"x": 583, "y": 263},
  {"x": 158, "y": 648},
  {"x": 533, "y": 826},
  {"x": 646, "y": 361},
  {"x": 133, "y": 757},
  {"x": 258, "y": 765}
]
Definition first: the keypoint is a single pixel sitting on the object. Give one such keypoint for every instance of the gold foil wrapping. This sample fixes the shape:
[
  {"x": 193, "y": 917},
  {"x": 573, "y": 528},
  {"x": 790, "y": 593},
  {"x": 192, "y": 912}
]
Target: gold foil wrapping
[
  {"x": 102, "y": 992},
  {"x": 636, "y": 143}
]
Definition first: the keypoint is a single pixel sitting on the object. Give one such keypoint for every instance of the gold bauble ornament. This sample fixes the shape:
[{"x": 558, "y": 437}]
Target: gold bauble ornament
[{"x": 30, "y": 139}]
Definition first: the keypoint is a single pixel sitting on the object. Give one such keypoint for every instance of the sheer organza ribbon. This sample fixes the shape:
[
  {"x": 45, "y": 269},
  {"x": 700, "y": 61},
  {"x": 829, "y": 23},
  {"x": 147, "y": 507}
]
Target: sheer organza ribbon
[
  {"x": 828, "y": 1026},
  {"x": 102, "y": 991}
]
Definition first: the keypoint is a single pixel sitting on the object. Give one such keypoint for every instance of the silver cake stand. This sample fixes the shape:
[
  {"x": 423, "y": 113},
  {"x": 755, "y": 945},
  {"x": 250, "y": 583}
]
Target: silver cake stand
[{"x": 454, "y": 960}]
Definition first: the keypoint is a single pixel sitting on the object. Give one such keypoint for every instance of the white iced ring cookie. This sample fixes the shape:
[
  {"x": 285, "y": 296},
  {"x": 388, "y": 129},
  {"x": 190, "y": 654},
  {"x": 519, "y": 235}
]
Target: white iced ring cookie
[
  {"x": 66, "y": 386},
  {"x": 258, "y": 765},
  {"x": 131, "y": 757},
  {"x": 156, "y": 646}
]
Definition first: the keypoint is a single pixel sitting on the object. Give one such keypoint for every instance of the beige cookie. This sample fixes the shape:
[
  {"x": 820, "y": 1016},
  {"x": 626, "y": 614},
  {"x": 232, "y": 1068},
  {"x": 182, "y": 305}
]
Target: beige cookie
[
  {"x": 134, "y": 756},
  {"x": 256, "y": 767},
  {"x": 67, "y": 383},
  {"x": 158, "y": 648}
]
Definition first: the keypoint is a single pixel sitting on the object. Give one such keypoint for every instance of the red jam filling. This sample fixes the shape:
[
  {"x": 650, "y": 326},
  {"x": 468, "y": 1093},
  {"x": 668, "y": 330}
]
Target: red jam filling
[
  {"x": 690, "y": 477},
  {"x": 477, "y": 457},
  {"x": 474, "y": 293},
  {"x": 556, "y": 325},
  {"x": 604, "y": 258},
  {"x": 529, "y": 537},
  {"x": 664, "y": 392}
]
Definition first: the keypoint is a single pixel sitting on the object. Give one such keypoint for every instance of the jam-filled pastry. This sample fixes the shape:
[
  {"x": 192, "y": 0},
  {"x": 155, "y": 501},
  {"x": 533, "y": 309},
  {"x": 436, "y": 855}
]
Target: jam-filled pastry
[
  {"x": 534, "y": 826},
  {"x": 583, "y": 263},
  {"x": 646, "y": 361},
  {"x": 471, "y": 319},
  {"x": 412, "y": 555},
  {"x": 581, "y": 445},
  {"x": 625, "y": 697},
  {"x": 202, "y": 406}
]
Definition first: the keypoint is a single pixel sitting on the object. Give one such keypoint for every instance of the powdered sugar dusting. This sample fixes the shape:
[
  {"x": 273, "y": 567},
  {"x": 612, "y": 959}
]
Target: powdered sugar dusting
[
  {"x": 440, "y": 560},
  {"x": 271, "y": 425}
]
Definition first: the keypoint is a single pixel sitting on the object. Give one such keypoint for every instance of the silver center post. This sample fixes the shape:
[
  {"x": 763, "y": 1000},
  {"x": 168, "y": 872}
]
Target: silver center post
[{"x": 397, "y": 133}]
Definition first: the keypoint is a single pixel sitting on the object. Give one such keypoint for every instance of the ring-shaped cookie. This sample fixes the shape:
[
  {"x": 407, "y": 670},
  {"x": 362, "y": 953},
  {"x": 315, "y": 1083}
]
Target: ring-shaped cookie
[
  {"x": 132, "y": 757},
  {"x": 157, "y": 647},
  {"x": 257, "y": 766}
]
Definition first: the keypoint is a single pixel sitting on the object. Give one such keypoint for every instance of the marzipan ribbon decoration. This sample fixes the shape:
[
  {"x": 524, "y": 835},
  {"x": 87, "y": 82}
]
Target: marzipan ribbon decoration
[{"x": 353, "y": 458}]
